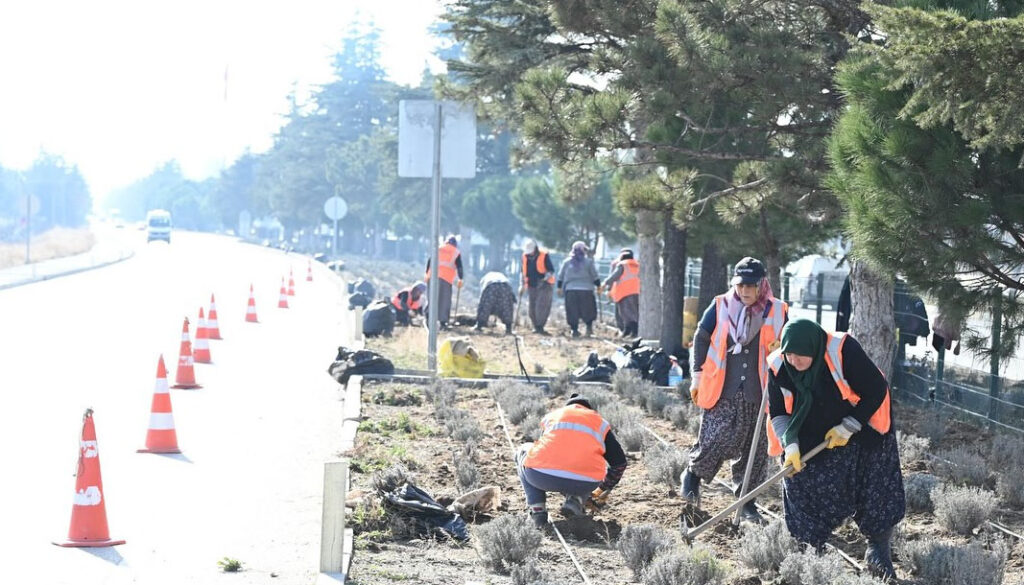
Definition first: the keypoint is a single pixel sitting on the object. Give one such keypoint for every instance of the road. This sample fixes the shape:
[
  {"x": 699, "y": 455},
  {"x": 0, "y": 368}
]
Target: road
[{"x": 254, "y": 438}]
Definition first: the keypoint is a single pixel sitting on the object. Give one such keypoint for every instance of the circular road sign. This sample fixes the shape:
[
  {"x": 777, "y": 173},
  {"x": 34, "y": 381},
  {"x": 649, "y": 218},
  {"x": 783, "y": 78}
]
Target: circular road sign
[{"x": 335, "y": 208}]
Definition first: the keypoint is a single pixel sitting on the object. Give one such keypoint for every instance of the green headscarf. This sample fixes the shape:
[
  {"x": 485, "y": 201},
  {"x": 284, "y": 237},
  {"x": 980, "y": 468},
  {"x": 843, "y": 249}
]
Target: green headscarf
[{"x": 806, "y": 338}]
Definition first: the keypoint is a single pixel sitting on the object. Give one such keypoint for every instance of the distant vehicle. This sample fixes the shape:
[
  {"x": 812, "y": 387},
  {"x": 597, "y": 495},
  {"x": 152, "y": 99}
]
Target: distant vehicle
[
  {"x": 803, "y": 281},
  {"x": 158, "y": 225}
]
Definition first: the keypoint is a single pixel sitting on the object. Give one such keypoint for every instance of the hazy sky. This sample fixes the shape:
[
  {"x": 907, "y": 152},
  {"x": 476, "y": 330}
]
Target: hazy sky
[{"x": 120, "y": 86}]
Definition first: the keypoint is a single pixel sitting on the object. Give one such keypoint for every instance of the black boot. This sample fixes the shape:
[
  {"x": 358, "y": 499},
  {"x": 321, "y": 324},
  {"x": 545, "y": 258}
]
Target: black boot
[
  {"x": 691, "y": 486},
  {"x": 508, "y": 329},
  {"x": 590, "y": 330},
  {"x": 540, "y": 518},
  {"x": 749, "y": 513},
  {"x": 575, "y": 332},
  {"x": 878, "y": 556}
]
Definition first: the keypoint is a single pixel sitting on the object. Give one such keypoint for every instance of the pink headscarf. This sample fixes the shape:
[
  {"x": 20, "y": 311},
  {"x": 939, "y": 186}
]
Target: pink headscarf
[{"x": 740, "y": 314}]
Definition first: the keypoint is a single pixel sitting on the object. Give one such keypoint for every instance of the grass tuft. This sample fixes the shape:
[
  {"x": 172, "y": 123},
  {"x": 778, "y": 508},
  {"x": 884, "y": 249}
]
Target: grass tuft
[{"x": 508, "y": 541}]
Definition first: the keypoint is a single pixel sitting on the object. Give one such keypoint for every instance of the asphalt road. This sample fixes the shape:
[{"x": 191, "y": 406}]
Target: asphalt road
[{"x": 254, "y": 438}]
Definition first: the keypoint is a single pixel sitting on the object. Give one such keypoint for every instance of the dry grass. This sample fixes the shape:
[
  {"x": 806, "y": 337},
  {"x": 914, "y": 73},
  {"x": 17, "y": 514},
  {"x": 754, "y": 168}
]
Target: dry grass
[{"x": 55, "y": 243}]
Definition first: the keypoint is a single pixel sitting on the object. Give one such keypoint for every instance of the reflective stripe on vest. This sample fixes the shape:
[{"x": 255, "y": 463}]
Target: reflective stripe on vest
[
  {"x": 712, "y": 377},
  {"x": 881, "y": 420},
  {"x": 446, "y": 256},
  {"x": 627, "y": 284},
  {"x": 571, "y": 445},
  {"x": 541, "y": 260}
]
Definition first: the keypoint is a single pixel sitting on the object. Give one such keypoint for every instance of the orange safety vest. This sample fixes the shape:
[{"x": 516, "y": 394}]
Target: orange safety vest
[
  {"x": 397, "y": 302},
  {"x": 541, "y": 257},
  {"x": 571, "y": 445},
  {"x": 881, "y": 420},
  {"x": 712, "y": 375},
  {"x": 446, "y": 256},
  {"x": 627, "y": 284}
]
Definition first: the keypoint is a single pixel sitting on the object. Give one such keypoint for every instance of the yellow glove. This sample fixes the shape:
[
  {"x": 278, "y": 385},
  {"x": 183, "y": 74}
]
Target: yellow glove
[
  {"x": 598, "y": 499},
  {"x": 461, "y": 282},
  {"x": 561, "y": 293},
  {"x": 793, "y": 458},
  {"x": 839, "y": 435}
]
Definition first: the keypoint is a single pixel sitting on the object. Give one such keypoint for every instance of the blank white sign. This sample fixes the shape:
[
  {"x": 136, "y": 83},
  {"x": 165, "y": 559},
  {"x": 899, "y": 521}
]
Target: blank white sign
[{"x": 416, "y": 139}]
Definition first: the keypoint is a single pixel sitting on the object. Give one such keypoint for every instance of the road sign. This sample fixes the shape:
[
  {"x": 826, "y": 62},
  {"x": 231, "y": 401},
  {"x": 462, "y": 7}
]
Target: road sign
[
  {"x": 335, "y": 208},
  {"x": 416, "y": 120}
]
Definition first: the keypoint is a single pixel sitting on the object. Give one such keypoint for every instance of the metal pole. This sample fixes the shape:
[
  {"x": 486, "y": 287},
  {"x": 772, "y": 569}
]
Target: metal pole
[
  {"x": 334, "y": 246},
  {"x": 435, "y": 237},
  {"x": 28, "y": 228},
  {"x": 785, "y": 287},
  {"x": 997, "y": 320},
  {"x": 821, "y": 295}
]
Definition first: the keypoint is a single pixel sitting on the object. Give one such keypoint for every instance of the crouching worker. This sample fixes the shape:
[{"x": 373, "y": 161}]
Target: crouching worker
[
  {"x": 576, "y": 455},
  {"x": 409, "y": 301},
  {"x": 824, "y": 387},
  {"x": 496, "y": 298}
]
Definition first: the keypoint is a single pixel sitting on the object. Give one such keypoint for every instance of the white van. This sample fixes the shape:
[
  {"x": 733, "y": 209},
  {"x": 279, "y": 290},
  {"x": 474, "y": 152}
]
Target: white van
[
  {"x": 803, "y": 280},
  {"x": 158, "y": 225}
]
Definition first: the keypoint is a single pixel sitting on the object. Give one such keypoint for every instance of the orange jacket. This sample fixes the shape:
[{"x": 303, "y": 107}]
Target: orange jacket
[
  {"x": 446, "y": 256},
  {"x": 542, "y": 256},
  {"x": 881, "y": 420},
  {"x": 627, "y": 284},
  {"x": 712, "y": 376},
  {"x": 412, "y": 304},
  {"x": 572, "y": 444}
]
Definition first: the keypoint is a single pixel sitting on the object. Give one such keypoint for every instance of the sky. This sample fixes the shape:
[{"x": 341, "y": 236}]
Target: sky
[{"x": 118, "y": 87}]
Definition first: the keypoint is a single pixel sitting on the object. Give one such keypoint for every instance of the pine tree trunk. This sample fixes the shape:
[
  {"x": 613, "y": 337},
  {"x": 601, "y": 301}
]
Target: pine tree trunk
[
  {"x": 673, "y": 287},
  {"x": 712, "y": 277},
  {"x": 872, "y": 322},
  {"x": 648, "y": 227}
]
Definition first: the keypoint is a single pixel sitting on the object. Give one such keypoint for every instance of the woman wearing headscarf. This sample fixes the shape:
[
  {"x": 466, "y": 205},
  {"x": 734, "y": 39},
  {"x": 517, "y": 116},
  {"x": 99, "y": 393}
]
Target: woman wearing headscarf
[
  {"x": 623, "y": 286},
  {"x": 731, "y": 344},
  {"x": 824, "y": 387},
  {"x": 577, "y": 279},
  {"x": 496, "y": 298},
  {"x": 409, "y": 301}
]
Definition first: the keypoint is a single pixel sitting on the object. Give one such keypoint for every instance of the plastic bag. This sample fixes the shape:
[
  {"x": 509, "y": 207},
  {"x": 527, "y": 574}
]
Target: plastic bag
[
  {"x": 456, "y": 358},
  {"x": 429, "y": 518}
]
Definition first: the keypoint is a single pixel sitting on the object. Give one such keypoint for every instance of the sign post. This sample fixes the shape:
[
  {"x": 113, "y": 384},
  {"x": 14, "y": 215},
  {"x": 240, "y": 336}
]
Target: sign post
[{"x": 335, "y": 208}]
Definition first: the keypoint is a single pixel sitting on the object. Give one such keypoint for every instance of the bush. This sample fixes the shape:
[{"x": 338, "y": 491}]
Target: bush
[
  {"x": 945, "y": 563},
  {"x": 664, "y": 464},
  {"x": 810, "y": 568},
  {"x": 685, "y": 566},
  {"x": 657, "y": 400},
  {"x": 599, "y": 397},
  {"x": 912, "y": 447},
  {"x": 1006, "y": 453},
  {"x": 390, "y": 479},
  {"x": 963, "y": 465},
  {"x": 632, "y": 436},
  {"x": 630, "y": 386},
  {"x": 461, "y": 426},
  {"x": 519, "y": 400},
  {"x": 619, "y": 415},
  {"x": 763, "y": 548},
  {"x": 918, "y": 487},
  {"x": 961, "y": 509},
  {"x": 1010, "y": 488},
  {"x": 530, "y": 427},
  {"x": 526, "y": 573},
  {"x": 441, "y": 393},
  {"x": 677, "y": 414},
  {"x": 466, "y": 475},
  {"x": 508, "y": 541},
  {"x": 638, "y": 545},
  {"x": 933, "y": 425},
  {"x": 562, "y": 384}
]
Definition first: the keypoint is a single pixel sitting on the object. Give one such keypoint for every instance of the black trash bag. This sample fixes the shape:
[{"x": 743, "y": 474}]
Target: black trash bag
[
  {"x": 359, "y": 300},
  {"x": 658, "y": 367},
  {"x": 429, "y": 519},
  {"x": 595, "y": 370},
  {"x": 378, "y": 319},
  {"x": 361, "y": 285},
  {"x": 358, "y": 362}
]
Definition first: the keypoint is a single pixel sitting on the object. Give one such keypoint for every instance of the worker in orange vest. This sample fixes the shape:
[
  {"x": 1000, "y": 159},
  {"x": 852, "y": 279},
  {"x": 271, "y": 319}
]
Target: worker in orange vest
[
  {"x": 538, "y": 279},
  {"x": 577, "y": 455},
  {"x": 730, "y": 348},
  {"x": 450, "y": 273},
  {"x": 824, "y": 387},
  {"x": 409, "y": 301},
  {"x": 623, "y": 286}
]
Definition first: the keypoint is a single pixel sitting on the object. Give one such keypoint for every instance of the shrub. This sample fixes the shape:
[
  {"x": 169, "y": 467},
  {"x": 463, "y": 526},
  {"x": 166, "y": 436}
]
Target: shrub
[
  {"x": 810, "y": 568},
  {"x": 526, "y": 573},
  {"x": 508, "y": 541},
  {"x": 530, "y": 427},
  {"x": 963, "y": 465},
  {"x": 562, "y": 384},
  {"x": 518, "y": 400},
  {"x": 685, "y": 566},
  {"x": 628, "y": 384},
  {"x": 441, "y": 393},
  {"x": 677, "y": 414},
  {"x": 632, "y": 436},
  {"x": 1006, "y": 453},
  {"x": 961, "y": 509},
  {"x": 466, "y": 475},
  {"x": 638, "y": 545},
  {"x": 912, "y": 447},
  {"x": 391, "y": 478},
  {"x": 461, "y": 426},
  {"x": 1010, "y": 488},
  {"x": 599, "y": 397},
  {"x": 763, "y": 548},
  {"x": 665, "y": 463},
  {"x": 657, "y": 400},
  {"x": 918, "y": 487},
  {"x": 945, "y": 563},
  {"x": 933, "y": 426},
  {"x": 620, "y": 415}
]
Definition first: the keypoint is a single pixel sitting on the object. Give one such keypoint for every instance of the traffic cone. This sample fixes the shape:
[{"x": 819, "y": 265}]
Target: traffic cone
[
  {"x": 309, "y": 271},
  {"x": 250, "y": 311},
  {"x": 186, "y": 376},
  {"x": 291, "y": 283},
  {"x": 202, "y": 350},
  {"x": 212, "y": 328},
  {"x": 282, "y": 302},
  {"x": 161, "y": 438},
  {"x": 88, "y": 509}
]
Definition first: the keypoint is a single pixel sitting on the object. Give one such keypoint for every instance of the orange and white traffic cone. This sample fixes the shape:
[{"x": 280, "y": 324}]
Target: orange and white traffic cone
[
  {"x": 282, "y": 302},
  {"x": 212, "y": 328},
  {"x": 161, "y": 437},
  {"x": 250, "y": 311},
  {"x": 309, "y": 271},
  {"x": 186, "y": 376},
  {"x": 291, "y": 283},
  {"x": 202, "y": 350},
  {"x": 88, "y": 509}
]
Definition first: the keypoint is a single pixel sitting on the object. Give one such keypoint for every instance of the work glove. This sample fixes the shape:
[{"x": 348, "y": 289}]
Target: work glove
[
  {"x": 598, "y": 499},
  {"x": 600, "y": 289},
  {"x": 561, "y": 293},
  {"x": 461, "y": 282},
  {"x": 694, "y": 386},
  {"x": 793, "y": 458},
  {"x": 839, "y": 435},
  {"x": 522, "y": 288}
]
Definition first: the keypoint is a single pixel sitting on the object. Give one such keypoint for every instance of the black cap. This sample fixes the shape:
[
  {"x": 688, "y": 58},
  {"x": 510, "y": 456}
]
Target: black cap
[
  {"x": 748, "y": 271},
  {"x": 575, "y": 398}
]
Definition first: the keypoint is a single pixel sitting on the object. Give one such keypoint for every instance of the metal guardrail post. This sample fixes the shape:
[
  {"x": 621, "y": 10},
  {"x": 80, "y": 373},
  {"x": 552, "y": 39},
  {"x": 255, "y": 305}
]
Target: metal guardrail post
[
  {"x": 820, "y": 295},
  {"x": 997, "y": 320}
]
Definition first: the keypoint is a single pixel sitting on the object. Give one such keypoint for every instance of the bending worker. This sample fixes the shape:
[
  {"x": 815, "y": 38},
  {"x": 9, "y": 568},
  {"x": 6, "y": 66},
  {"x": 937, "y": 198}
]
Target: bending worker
[
  {"x": 538, "y": 281},
  {"x": 576, "y": 455},
  {"x": 450, "y": 261},
  {"x": 824, "y": 387},
  {"x": 730, "y": 348},
  {"x": 409, "y": 301},
  {"x": 496, "y": 298},
  {"x": 625, "y": 292}
]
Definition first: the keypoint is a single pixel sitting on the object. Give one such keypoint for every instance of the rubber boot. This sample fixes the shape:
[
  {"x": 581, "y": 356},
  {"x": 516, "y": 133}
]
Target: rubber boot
[
  {"x": 572, "y": 507},
  {"x": 590, "y": 330},
  {"x": 749, "y": 513},
  {"x": 508, "y": 329},
  {"x": 539, "y": 516},
  {"x": 878, "y": 556},
  {"x": 691, "y": 486},
  {"x": 575, "y": 332}
]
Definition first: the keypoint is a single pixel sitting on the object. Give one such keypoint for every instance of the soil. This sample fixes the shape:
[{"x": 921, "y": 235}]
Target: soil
[{"x": 428, "y": 452}]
